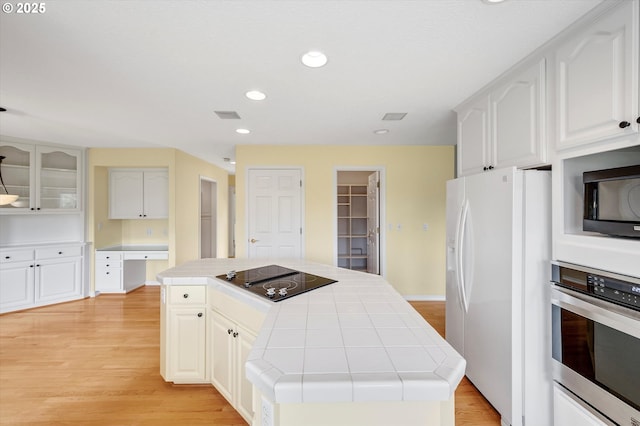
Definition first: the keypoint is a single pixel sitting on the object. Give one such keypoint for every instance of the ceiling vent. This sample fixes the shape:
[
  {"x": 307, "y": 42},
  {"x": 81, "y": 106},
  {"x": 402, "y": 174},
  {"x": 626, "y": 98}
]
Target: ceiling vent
[
  {"x": 227, "y": 115},
  {"x": 391, "y": 116}
]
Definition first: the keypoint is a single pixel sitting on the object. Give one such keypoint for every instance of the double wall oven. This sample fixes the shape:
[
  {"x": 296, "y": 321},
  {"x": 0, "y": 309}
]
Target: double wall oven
[{"x": 596, "y": 339}]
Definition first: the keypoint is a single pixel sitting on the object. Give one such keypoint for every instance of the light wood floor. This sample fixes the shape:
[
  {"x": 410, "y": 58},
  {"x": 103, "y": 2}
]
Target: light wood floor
[{"x": 96, "y": 362}]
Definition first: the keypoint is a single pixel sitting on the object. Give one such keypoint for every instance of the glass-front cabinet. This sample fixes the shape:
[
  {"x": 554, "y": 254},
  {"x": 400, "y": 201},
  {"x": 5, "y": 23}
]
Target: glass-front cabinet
[{"x": 46, "y": 178}]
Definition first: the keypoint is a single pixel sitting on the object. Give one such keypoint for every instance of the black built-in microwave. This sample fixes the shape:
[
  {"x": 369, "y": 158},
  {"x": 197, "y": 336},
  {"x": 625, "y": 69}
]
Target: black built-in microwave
[{"x": 612, "y": 201}]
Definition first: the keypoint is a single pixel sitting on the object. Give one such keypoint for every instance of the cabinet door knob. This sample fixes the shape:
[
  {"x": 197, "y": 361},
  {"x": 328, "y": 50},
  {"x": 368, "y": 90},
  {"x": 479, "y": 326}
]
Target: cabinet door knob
[
  {"x": 199, "y": 314},
  {"x": 624, "y": 124},
  {"x": 38, "y": 265},
  {"x": 229, "y": 331},
  {"x": 59, "y": 252},
  {"x": 30, "y": 266},
  {"x": 638, "y": 120},
  {"x": 139, "y": 215},
  {"x": 235, "y": 334},
  {"x": 186, "y": 295},
  {"x": 107, "y": 271},
  {"x": 7, "y": 257}
]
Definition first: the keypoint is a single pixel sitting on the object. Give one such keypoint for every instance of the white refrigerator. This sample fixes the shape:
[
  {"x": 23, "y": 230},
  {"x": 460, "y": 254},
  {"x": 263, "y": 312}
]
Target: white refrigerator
[{"x": 498, "y": 310}]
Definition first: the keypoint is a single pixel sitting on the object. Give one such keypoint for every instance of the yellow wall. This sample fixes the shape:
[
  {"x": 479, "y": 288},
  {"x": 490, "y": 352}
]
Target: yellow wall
[
  {"x": 415, "y": 194},
  {"x": 181, "y": 230},
  {"x": 189, "y": 169}
]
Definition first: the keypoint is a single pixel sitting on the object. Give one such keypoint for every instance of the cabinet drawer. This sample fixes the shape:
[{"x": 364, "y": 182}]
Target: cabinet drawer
[
  {"x": 161, "y": 255},
  {"x": 108, "y": 279},
  {"x": 108, "y": 255},
  {"x": 54, "y": 252},
  {"x": 187, "y": 295},
  {"x": 18, "y": 255},
  {"x": 105, "y": 266}
]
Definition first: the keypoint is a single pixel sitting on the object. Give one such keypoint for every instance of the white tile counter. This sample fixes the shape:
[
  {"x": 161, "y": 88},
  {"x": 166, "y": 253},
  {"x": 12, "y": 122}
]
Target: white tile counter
[{"x": 356, "y": 340}]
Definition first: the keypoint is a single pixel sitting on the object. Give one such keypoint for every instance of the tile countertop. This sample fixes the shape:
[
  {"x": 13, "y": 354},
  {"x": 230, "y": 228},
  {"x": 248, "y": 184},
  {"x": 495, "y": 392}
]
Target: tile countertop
[{"x": 354, "y": 340}]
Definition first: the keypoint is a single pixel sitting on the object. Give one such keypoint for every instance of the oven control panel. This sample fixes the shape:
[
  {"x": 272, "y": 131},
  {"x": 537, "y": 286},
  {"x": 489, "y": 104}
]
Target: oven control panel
[
  {"x": 621, "y": 289},
  {"x": 624, "y": 293}
]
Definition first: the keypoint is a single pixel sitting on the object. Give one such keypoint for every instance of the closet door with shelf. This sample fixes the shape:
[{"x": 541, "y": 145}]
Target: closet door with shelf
[{"x": 352, "y": 226}]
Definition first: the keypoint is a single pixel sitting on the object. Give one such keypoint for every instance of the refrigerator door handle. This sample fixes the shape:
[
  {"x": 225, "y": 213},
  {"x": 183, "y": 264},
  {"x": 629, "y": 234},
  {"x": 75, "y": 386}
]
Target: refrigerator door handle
[{"x": 460, "y": 237}]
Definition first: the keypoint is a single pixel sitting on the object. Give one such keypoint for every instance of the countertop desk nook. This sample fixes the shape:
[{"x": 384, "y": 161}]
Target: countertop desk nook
[
  {"x": 121, "y": 269},
  {"x": 349, "y": 353}
]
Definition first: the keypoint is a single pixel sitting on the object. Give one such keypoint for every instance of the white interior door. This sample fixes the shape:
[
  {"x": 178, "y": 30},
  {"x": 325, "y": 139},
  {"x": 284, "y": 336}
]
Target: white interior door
[
  {"x": 373, "y": 223},
  {"x": 274, "y": 213}
]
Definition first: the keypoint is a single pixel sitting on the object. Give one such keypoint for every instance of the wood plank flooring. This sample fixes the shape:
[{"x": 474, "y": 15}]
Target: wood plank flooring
[{"x": 96, "y": 362}]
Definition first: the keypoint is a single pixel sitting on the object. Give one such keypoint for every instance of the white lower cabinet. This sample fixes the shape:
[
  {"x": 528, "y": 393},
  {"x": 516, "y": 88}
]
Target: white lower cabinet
[
  {"x": 188, "y": 327},
  {"x": 230, "y": 346},
  {"x": 183, "y": 325},
  {"x": 569, "y": 410},
  {"x": 37, "y": 276},
  {"x": 205, "y": 337}
]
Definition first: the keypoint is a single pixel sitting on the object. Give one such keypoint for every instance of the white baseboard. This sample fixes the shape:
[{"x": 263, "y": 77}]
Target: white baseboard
[
  {"x": 424, "y": 298},
  {"x": 151, "y": 283}
]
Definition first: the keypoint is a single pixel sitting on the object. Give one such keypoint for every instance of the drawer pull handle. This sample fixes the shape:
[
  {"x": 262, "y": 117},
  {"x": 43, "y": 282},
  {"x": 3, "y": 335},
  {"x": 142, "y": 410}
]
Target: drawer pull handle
[
  {"x": 59, "y": 252},
  {"x": 107, "y": 272},
  {"x": 186, "y": 295},
  {"x": 7, "y": 257},
  {"x": 199, "y": 314}
]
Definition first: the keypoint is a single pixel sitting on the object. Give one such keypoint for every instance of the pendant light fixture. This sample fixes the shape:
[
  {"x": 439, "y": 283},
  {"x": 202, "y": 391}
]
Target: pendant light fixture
[{"x": 5, "y": 198}]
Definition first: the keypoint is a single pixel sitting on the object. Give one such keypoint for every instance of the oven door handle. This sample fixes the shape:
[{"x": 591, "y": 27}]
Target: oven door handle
[{"x": 606, "y": 313}]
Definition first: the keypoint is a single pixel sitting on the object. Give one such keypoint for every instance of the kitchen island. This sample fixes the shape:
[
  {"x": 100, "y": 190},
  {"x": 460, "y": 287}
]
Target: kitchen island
[{"x": 352, "y": 352}]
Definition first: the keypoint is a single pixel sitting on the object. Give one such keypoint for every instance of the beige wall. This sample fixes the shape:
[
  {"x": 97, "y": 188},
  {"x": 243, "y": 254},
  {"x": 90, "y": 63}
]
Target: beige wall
[
  {"x": 181, "y": 230},
  {"x": 415, "y": 194}
]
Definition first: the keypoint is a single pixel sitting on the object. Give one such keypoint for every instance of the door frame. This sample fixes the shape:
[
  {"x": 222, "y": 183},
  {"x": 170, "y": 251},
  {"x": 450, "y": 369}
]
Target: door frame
[
  {"x": 382, "y": 252},
  {"x": 247, "y": 203},
  {"x": 214, "y": 215}
]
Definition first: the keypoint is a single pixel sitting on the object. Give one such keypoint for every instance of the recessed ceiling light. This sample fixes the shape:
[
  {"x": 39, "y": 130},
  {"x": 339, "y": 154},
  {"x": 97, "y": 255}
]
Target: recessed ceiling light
[
  {"x": 381, "y": 131},
  {"x": 255, "y": 95},
  {"x": 243, "y": 131},
  {"x": 492, "y": 1},
  {"x": 314, "y": 59}
]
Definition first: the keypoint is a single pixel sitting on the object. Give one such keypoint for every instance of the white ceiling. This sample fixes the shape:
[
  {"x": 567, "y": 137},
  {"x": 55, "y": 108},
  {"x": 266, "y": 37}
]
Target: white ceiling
[{"x": 114, "y": 73}]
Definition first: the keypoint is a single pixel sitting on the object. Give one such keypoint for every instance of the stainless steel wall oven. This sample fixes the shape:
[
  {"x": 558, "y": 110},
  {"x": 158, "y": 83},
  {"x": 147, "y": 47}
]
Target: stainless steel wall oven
[{"x": 596, "y": 339}]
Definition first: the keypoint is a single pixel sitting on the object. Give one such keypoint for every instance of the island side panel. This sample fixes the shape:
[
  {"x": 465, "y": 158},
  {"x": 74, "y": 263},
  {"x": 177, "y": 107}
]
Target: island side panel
[{"x": 374, "y": 413}]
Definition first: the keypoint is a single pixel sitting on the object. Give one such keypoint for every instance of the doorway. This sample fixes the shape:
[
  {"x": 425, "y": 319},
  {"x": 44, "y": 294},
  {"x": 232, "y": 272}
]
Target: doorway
[
  {"x": 359, "y": 214},
  {"x": 208, "y": 218}
]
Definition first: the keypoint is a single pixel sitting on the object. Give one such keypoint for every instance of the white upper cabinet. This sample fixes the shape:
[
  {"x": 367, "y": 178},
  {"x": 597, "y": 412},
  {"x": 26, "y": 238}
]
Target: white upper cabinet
[
  {"x": 46, "y": 178},
  {"x": 474, "y": 151},
  {"x": 518, "y": 108},
  {"x": 138, "y": 194},
  {"x": 597, "y": 79},
  {"x": 507, "y": 126}
]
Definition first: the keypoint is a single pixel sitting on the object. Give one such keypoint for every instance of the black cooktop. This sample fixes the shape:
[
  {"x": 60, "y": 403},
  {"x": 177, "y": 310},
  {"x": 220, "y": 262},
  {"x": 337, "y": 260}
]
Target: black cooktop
[{"x": 275, "y": 282}]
